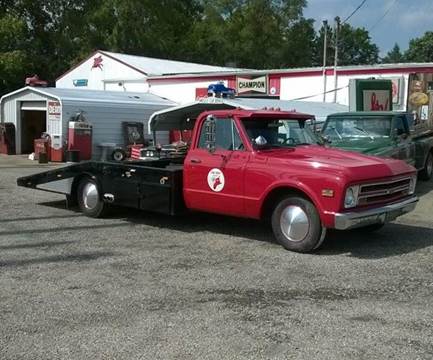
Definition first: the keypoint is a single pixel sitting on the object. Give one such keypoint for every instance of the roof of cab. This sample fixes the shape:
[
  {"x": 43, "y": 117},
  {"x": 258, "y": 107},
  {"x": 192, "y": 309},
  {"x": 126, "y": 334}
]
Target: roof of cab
[
  {"x": 262, "y": 113},
  {"x": 368, "y": 113}
]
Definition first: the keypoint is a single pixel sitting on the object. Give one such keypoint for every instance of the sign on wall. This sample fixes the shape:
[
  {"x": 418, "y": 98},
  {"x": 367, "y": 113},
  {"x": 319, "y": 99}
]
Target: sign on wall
[
  {"x": 376, "y": 100},
  {"x": 370, "y": 95},
  {"x": 255, "y": 85},
  {"x": 54, "y": 110},
  {"x": 80, "y": 82}
]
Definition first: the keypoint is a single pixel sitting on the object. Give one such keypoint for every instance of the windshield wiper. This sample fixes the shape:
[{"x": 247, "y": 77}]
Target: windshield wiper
[{"x": 364, "y": 131}]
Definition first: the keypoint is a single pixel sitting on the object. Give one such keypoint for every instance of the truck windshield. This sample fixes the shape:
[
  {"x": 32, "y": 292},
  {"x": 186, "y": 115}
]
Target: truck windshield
[
  {"x": 270, "y": 133},
  {"x": 341, "y": 129}
]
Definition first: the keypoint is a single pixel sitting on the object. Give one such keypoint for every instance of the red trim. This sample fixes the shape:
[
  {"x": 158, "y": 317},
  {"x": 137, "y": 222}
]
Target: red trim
[{"x": 102, "y": 53}]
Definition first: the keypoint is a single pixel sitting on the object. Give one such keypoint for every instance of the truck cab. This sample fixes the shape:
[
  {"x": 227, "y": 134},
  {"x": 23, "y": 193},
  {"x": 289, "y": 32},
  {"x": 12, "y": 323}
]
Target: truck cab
[{"x": 382, "y": 133}]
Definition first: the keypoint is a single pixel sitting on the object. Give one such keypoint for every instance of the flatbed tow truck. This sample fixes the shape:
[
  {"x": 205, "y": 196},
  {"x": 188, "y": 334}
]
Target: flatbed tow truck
[{"x": 261, "y": 164}]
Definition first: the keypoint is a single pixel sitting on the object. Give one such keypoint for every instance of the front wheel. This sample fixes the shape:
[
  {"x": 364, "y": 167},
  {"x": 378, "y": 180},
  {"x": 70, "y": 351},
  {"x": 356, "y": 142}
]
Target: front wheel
[
  {"x": 296, "y": 225},
  {"x": 427, "y": 172},
  {"x": 89, "y": 199}
]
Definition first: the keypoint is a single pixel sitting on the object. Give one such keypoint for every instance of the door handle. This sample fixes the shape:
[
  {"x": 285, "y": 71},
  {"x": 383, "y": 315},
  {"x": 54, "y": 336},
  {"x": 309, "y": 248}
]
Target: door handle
[{"x": 195, "y": 161}]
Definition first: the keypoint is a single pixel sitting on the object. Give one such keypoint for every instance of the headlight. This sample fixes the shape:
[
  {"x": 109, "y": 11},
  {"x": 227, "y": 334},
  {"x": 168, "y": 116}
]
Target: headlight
[
  {"x": 412, "y": 184},
  {"x": 351, "y": 198}
]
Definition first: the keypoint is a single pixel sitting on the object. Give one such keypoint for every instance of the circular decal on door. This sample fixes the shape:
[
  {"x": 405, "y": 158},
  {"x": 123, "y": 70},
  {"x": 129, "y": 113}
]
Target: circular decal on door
[{"x": 215, "y": 180}]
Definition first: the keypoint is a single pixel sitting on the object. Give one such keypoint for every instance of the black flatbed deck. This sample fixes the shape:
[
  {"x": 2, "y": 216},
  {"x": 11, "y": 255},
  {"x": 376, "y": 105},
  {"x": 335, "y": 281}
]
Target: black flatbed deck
[{"x": 154, "y": 185}]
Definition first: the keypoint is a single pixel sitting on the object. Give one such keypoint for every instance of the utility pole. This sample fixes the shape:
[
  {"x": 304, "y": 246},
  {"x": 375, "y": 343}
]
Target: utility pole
[
  {"x": 337, "y": 30},
  {"x": 325, "y": 45}
]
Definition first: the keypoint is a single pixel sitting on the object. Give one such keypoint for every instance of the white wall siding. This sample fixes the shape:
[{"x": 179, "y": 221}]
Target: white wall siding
[
  {"x": 110, "y": 69},
  {"x": 133, "y": 86},
  {"x": 310, "y": 88},
  {"x": 180, "y": 92}
]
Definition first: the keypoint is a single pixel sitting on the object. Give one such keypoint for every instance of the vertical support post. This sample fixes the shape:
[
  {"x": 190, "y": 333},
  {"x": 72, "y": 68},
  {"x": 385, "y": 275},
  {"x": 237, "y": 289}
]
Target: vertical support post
[
  {"x": 337, "y": 30},
  {"x": 325, "y": 45}
]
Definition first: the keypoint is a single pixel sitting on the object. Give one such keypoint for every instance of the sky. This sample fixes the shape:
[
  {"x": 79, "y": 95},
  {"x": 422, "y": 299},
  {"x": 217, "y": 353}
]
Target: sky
[{"x": 405, "y": 20}]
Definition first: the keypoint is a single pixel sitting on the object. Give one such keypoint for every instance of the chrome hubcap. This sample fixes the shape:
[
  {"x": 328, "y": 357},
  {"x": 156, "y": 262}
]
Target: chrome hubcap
[
  {"x": 294, "y": 223},
  {"x": 90, "y": 196}
]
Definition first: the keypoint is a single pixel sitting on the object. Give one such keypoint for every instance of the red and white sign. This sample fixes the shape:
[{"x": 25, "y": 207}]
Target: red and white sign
[
  {"x": 259, "y": 85},
  {"x": 54, "y": 110},
  {"x": 216, "y": 180},
  {"x": 376, "y": 100}
]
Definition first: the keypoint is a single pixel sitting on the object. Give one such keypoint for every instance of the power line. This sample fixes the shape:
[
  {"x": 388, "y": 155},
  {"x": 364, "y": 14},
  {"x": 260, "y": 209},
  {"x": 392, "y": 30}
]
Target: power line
[
  {"x": 383, "y": 16},
  {"x": 354, "y": 11}
]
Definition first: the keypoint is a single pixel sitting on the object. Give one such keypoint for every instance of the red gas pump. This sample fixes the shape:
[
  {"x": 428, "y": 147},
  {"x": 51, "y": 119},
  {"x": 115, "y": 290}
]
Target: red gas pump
[{"x": 80, "y": 138}]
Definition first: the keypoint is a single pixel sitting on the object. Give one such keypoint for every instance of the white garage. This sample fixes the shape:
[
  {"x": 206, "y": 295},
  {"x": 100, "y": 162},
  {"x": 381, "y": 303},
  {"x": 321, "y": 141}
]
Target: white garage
[{"x": 34, "y": 111}]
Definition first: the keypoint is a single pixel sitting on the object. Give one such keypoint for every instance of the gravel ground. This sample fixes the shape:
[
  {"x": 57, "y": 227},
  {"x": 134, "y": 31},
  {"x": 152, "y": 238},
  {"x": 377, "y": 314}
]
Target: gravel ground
[{"x": 144, "y": 286}]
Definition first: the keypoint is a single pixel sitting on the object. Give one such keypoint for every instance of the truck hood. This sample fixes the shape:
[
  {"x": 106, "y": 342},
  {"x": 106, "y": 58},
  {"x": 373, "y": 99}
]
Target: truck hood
[
  {"x": 364, "y": 145},
  {"x": 352, "y": 165}
]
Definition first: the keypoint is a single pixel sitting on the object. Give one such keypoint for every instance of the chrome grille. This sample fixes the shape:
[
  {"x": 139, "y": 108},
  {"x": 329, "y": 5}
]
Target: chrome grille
[{"x": 384, "y": 191}]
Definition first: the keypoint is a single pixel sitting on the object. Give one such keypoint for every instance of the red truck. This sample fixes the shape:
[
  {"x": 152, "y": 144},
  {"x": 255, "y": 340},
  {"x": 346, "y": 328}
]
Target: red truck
[{"x": 253, "y": 164}]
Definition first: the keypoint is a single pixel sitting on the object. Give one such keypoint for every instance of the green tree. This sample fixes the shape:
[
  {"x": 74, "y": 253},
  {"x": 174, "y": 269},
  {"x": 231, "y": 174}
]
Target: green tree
[
  {"x": 394, "y": 56},
  {"x": 420, "y": 49},
  {"x": 252, "y": 34},
  {"x": 13, "y": 57},
  {"x": 54, "y": 31},
  {"x": 354, "y": 47}
]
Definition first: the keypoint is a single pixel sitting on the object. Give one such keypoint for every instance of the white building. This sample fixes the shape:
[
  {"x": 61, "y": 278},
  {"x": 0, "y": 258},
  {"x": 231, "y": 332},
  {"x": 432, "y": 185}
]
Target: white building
[
  {"x": 306, "y": 84},
  {"x": 184, "y": 82},
  {"x": 105, "y": 70}
]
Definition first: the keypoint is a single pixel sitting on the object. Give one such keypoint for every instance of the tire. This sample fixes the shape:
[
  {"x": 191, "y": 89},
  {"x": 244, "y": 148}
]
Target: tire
[
  {"x": 370, "y": 228},
  {"x": 118, "y": 155},
  {"x": 427, "y": 172},
  {"x": 296, "y": 225},
  {"x": 71, "y": 201},
  {"x": 90, "y": 200}
]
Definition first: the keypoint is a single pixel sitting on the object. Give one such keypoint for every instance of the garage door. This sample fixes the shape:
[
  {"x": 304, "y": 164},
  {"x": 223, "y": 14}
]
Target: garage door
[{"x": 34, "y": 105}]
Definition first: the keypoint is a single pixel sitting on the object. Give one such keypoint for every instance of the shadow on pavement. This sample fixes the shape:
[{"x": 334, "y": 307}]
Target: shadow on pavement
[
  {"x": 41, "y": 218},
  {"x": 56, "y": 259},
  {"x": 44, "y": 244},
  {"x": 392, "y": 240},
  {"x": 60, "y": 229},
  {"x": 424, "y": 187}
]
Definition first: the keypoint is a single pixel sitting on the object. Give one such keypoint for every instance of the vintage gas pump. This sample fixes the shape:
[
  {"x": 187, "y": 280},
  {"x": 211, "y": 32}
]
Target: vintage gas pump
[{"x": 80, "y": 136}]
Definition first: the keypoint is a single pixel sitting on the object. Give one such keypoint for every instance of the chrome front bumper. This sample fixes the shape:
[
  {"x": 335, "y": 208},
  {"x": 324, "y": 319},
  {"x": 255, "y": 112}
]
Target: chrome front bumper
[{"x": 352, "y": 220}]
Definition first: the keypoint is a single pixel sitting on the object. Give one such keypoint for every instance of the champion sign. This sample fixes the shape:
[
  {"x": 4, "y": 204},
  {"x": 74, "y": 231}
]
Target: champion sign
[{"x": 252, "y": 85}]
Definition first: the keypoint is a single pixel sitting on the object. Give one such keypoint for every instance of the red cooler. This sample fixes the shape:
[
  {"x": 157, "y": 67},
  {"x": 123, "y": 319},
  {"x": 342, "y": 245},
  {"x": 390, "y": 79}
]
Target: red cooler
[{"x": 80, "y": 138}]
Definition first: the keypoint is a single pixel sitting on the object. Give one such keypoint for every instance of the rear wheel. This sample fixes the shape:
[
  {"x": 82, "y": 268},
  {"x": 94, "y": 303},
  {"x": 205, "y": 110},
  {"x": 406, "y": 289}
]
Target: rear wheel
[
  {"x": 89, "y": 199},
  {"x": 296, "y": 224},
  {"x": 427, "y": 172}
]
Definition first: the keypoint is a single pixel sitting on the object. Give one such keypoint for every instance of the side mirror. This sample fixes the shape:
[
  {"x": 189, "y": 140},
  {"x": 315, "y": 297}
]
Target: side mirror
[{"x": 210, "y": 131}]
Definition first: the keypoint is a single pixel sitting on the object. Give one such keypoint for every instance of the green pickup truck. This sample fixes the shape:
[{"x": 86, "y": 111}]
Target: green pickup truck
[{"x": 386, "y": 134}]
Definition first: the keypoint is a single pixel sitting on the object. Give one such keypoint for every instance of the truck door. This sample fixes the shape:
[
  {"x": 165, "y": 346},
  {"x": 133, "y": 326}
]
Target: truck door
[
  {"x": 214, "y": 178},
  {"x": 405, "y": 145}
]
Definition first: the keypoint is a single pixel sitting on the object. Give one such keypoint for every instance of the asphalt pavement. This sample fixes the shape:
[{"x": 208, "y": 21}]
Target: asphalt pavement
[{"x": 142, "y": 286}]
